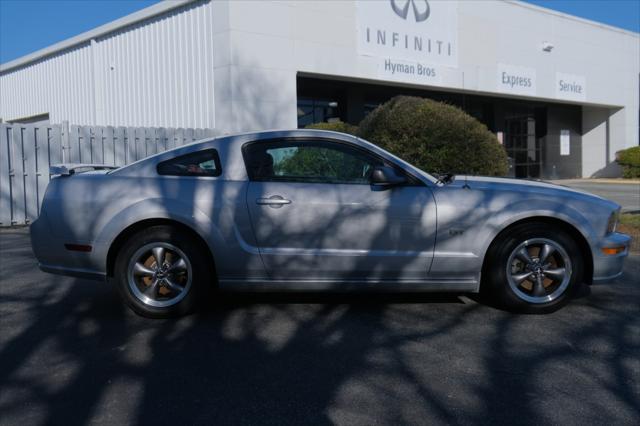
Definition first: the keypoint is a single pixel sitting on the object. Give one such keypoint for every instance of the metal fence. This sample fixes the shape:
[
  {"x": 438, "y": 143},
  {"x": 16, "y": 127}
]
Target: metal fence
[{"x": 27, "y": 151}]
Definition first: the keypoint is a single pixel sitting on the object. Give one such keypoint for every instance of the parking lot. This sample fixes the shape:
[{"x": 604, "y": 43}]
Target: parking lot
[{"x": 70, "y": 354}]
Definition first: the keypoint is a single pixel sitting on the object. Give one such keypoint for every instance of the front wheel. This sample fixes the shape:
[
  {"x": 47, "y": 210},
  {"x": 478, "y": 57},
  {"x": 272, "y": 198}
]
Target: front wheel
[
  {"x": 534, "y": 268},
  {"x": 160, "y": 273}
]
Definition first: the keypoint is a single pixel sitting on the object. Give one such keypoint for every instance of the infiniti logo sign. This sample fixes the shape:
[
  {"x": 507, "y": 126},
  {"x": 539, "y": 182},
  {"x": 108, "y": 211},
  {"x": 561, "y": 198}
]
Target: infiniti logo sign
[
  {"x": 416, "y": 33},
  {"x": 403, "y": 11}
]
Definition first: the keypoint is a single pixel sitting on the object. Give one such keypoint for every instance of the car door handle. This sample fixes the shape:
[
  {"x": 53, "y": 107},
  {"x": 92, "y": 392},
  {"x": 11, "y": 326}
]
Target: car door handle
[{"x": 274, "y": 200}]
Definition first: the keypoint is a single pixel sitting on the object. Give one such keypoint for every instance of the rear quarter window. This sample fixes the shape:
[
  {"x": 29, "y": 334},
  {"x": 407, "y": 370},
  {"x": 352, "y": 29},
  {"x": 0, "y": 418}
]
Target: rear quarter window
[{"x": 201, "y": 163}]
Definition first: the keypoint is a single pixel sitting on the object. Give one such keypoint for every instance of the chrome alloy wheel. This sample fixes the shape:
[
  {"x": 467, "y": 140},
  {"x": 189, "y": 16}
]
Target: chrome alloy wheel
[
  {"x": 539, "y": 270},
  {"x": 159, "y": 274}
]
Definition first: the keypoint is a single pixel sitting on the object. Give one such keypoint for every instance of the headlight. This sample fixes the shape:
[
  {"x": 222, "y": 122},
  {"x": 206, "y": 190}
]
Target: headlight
[{"x": 613, "y": 221}]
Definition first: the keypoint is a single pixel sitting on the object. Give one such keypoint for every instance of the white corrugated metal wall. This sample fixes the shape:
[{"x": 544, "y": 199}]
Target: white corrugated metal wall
[
  {"x": 156, "y": 73},
  {"x": 59, "y": 85}
]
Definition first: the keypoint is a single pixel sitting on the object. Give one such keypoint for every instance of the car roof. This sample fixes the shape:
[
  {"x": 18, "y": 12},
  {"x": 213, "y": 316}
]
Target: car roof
[{"x": 275, "y": 134}]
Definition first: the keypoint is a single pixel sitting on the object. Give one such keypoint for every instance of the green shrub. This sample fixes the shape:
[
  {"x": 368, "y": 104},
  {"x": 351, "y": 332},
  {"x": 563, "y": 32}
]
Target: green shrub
[
  {"x": 434, "y": 136},
  {"x": 337, "y": 126},
  {"x": 629, "y": 159}
]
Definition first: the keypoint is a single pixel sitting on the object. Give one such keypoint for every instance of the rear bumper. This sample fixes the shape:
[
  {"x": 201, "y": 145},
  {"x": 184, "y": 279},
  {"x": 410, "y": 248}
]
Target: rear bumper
[
  {"x": 73, "y": 272},
  {"x": 53, "y": 257},
  {"x": 609, "y": 267}
]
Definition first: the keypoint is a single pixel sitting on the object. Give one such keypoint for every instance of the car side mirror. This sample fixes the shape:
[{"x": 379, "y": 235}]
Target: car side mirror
[{"x": 385, "y": 176}]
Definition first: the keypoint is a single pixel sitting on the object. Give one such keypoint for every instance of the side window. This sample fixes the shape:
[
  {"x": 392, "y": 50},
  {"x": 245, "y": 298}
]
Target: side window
[
  {"x": 202, "y": 163},
  {"x": 309, "y": 161}
]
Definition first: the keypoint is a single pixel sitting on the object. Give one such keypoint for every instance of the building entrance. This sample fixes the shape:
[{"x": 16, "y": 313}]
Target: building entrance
[{"x": 523, "y": 148}]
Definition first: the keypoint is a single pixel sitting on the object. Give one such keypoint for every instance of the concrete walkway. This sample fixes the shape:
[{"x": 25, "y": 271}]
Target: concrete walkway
[
  {"x": 601, "y": 180},
  {"x": 624, "y": 192}
]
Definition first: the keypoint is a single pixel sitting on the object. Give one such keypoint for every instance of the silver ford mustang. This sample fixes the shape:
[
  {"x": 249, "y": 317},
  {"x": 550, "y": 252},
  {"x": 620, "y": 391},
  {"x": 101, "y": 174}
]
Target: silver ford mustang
[{"x": 318, "y": 210}]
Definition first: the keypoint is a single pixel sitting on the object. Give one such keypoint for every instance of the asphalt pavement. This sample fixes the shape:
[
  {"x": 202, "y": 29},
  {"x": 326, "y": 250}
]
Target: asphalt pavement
[
  {"x": 70, "y": 353},
  {"x": 625, "y": 194}
]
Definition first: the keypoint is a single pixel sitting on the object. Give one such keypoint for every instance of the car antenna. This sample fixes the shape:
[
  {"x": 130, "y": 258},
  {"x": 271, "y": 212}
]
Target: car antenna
[{"x": 466, "y": 183}]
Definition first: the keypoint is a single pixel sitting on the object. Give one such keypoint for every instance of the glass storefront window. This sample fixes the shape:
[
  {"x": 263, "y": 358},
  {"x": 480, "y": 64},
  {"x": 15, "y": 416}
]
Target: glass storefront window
[{"x": 313, "y": 110}]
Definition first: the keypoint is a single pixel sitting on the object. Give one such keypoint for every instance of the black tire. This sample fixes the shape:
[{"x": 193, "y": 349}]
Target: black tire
[
  {"x": 503, "y": 268},
  {"x": 175, "y": 244}
]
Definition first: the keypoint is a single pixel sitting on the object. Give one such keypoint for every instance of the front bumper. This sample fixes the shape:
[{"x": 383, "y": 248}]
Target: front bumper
[{"x": 607, "y": 267}]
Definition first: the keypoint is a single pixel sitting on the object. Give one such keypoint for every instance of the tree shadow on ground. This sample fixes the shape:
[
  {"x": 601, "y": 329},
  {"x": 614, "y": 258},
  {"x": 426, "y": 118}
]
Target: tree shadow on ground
[{"x": 74, "y": 356}]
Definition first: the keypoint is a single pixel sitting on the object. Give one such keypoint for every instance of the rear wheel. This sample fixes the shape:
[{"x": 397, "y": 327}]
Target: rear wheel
[
  {"x": 533, "y": 268},
  {"x": 161, "y": 273}
]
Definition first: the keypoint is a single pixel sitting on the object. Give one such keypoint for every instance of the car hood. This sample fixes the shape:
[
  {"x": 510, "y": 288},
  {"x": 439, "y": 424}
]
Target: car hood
[{"x": 524, "y": 185}]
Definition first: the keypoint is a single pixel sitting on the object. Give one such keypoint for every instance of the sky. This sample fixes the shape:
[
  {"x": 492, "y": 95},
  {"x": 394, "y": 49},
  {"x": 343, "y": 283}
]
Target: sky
[
  {"x": 618, "y": 13},
  {"x": 30, "y": 25}
]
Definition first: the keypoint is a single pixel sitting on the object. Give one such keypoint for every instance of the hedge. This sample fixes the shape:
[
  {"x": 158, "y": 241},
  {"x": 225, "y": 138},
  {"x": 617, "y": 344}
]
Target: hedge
[
  {"x": 434, "y": 136},
  {"x": 629, "y": 159}
]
